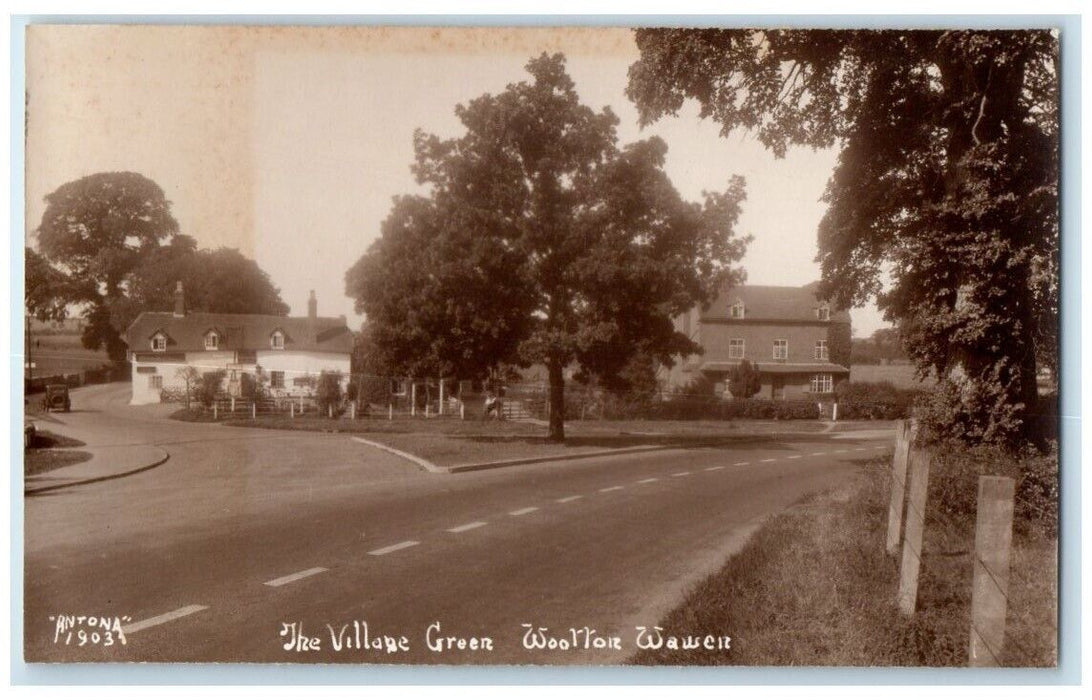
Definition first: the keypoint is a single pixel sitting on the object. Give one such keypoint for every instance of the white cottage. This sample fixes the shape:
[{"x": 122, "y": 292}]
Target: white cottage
[{"x": 287, "y": 353}]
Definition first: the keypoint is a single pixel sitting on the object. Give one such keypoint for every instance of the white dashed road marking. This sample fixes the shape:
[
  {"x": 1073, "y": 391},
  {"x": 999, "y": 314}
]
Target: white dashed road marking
[
  {"x": 817, "y": 454},
  {"x": 468, "y": 526},
  {"x": 713, "y": 469},
  {"x": 568, "y": 499},
  {"x": 793, "y": 457},
  {"x": 611, "y": 488},
  {"x": 160, "y": 619},
  {"x": 741, "y": 464},
  {"x": 295, "y": 577},
  {"x": 771, "y": 459},
  {"x": 393, "y": 548},
  {"x": 648, "y": 481},
  {"x": 680, "y": 474},
  {"x": 524, "y": 511}
]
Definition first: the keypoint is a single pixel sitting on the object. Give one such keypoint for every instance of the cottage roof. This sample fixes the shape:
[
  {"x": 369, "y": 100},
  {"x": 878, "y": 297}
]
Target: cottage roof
[
  {"x": 762, "y": 302},
  {"x": 241, "y": 331}
]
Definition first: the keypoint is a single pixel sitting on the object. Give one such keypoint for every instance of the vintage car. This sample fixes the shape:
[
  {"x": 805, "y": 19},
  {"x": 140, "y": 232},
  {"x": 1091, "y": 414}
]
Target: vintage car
[{"x": 56, "y": 398}]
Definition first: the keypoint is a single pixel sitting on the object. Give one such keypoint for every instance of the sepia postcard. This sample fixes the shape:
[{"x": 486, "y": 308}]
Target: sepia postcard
[{"x": 719, "y": 346}]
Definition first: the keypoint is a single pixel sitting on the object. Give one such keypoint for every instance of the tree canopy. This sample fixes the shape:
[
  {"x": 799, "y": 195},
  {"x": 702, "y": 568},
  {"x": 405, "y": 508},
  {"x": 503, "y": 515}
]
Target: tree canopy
[
  {"x": 110, "y": 246},
  {"x": 542, "y": 240},
  {"x": 946, "y": 181}
]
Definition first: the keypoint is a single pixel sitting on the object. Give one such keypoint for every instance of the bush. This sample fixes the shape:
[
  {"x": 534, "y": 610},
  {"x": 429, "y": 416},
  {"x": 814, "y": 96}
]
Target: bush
[
  {"x": 873, "y": 400},
  {"x": 744, "y": 381},
  {"x": 328, "y": 392},
  {"x": 210, "y": 387}
]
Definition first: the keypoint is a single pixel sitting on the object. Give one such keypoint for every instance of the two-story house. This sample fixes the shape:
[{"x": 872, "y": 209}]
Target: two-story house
[
  {"x": 798, "y": 343},
  {"x": 285, "y": 353}
]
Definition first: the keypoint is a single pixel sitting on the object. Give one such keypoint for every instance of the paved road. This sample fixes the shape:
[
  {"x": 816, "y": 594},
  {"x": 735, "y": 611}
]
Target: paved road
[{"x": 246, "y": 537}]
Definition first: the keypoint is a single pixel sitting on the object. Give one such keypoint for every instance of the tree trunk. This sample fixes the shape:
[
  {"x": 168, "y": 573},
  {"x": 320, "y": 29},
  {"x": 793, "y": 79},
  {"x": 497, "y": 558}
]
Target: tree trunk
[{"x": 557, "y": 401}]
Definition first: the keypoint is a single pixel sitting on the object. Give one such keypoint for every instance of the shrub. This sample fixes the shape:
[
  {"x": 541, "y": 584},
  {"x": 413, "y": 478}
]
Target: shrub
[
  {"x": 209, "y": 387},
  {"x": 328, "y": 392},
  {"x": 744, "y": 381}
]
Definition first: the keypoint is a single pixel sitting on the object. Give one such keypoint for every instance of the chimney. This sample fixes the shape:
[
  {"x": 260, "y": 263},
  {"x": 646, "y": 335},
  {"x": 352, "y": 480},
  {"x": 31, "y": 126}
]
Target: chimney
[
  {"x": 312, "y": 306},
  {"x": 179, "y": 300}
]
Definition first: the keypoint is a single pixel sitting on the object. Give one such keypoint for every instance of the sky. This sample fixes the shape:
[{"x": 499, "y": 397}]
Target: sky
[{"x": 289, "y": 143}]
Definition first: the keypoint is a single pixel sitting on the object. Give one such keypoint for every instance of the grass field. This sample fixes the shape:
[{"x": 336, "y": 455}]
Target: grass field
[{"x": 63, "y": 354}]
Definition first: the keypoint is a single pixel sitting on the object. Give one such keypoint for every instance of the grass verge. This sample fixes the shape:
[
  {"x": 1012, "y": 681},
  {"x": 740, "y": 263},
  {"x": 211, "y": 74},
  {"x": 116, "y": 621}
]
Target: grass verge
[{"x": 814, "y": 587}]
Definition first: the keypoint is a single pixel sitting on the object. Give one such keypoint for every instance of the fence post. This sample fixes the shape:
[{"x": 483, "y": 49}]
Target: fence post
[
  {"x": 440, "y": 410},
  {"x": 462, "y": 411},
  {"x": 215, "y": 410},
  {"x": 898, "y": 485},
  {"x": 352, "y": 410},
  {"x": 413, "y": 399},
  {"x": 834, "y": 412},
  {"x": 915, "y": 528},
  {"x": 426, "y": 409},
  {"x": 254, "y": 409},
  {"x": 989, "y": 596},
  {"x": 291, "y": 409},
  {"x": 329, "y": 410},
  {"x": 233, "y": 404},
  {"x": 390, "y": 411}
]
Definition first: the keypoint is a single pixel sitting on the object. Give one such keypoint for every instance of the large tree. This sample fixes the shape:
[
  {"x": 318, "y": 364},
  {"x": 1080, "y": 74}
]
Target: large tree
[
  {"x": 96, "y": 230},
  {"x": 947, "y": 181},
  {"x": 541, "y": 240}
]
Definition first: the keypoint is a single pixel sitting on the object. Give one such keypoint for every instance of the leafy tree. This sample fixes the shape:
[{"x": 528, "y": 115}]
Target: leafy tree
[
  {"x": 542, "y": 240},
  {"x": 96, "y": 230},
  {"x": 947, "y": 177},
  {"x": 46, "y": 290},
  {"x": 221, "y": 281},
  {"x": 210, "y": 385},
  {"x": 744, "y": 381},
  {"x": 328, "y": 391}
]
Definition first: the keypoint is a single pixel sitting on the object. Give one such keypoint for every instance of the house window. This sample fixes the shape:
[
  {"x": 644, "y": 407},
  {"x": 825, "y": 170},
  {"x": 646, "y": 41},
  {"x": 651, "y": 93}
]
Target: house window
[
  {"x": 276, "y": 379},
  {"x": 277, "y": 340},
  {"x": 822, "y": 383},
  {"x": 823, "y": 313},
  {"x": 155, "y": 381},
  {"x": 821, "y": 351},
  {"x": 735, "y": 348},
  {"x": 304, "y": 380},
  {"x": 736, "y": 311},
  {"x": 780, "y": 349},
  {"x": 159, "y": 342},
  {"x": 398, "y": 387},
  {"x": 212, "y": 341}
]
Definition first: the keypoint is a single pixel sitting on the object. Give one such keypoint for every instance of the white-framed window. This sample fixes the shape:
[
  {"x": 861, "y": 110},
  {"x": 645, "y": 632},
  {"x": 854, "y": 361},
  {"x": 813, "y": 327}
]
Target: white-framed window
[
  {"x": 780, "y": 349},
  {"x": 822, "y": 352},
  {"x": 822, "y": 383},
  {"x": 399, "y": 387},
  {"x": 155, "y": 381},
  {"x": 276, "y": 341},
  {"x": 736, "y": 348},
  {"x": 276, "y": 379},
  {"x": 159, "y": 342},
  {"x": 737, "y": 310},
  {"x": 212, "y": 340},
  {"x": 823, "y": 312}
]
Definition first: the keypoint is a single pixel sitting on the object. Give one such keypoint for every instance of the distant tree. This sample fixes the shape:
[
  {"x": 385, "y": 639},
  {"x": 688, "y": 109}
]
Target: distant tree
[
  {"x": 222, "y": 280},
  {"x": 744, "y": 381},
  {"x": 96, "y": 230},
  {"x": 45, "y": 291},
  {"x": 543, "y": 241},
  {"x": 947, "y": 176}
]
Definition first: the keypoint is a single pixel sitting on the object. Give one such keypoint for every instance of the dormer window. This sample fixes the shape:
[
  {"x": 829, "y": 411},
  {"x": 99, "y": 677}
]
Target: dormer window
[
  {"x": 736, "y": 310},
  {"x": 823, "y": 312},
  {"x": 159, "y": 342},
  {"x": 276, "y": 340},
  {"x": 212, "y": 340}
]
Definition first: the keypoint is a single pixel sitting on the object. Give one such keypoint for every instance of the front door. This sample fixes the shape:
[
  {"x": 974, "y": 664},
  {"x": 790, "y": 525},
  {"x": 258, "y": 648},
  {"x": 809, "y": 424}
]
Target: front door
[{"x": 777, "y": 387}]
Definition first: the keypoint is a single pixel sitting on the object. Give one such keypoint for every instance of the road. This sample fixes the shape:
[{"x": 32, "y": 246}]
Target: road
[{"x": 250, "y": 541}]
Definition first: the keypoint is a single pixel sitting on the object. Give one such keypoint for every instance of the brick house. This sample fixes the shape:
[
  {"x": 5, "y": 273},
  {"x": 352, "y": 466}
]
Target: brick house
[
  {"x": 799, "y": 343},
  {"x": 285, "y": 353}
]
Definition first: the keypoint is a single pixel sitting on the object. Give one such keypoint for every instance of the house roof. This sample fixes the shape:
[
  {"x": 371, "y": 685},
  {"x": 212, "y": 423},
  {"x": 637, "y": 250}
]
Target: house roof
[
  {"x": 240, "y": 331},
  {"x": 761, "y": 302},
  {"x": 779, "y": 367}
]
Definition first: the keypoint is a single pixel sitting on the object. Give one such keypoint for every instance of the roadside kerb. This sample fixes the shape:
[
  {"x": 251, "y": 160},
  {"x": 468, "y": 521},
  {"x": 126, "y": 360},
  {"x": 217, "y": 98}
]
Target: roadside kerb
[
  {"x": 480, "y": 466},
  {"x": 104, "y": 477}
]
